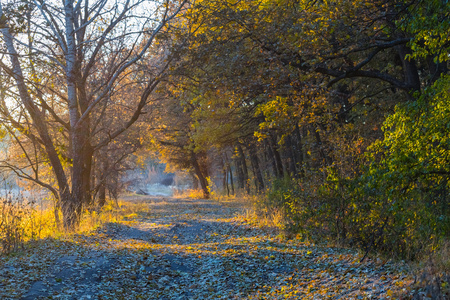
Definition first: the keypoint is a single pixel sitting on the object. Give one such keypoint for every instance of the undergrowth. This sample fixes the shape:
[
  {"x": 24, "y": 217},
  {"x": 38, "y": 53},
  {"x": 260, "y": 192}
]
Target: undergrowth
[
  {"x": 339, "y": 212},
  {"x": 191, "y": 193},
  {"x": 22, "y": 221}
]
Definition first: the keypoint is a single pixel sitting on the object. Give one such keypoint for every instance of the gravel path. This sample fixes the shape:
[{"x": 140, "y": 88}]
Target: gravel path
[{"x": 193, "y": 249}]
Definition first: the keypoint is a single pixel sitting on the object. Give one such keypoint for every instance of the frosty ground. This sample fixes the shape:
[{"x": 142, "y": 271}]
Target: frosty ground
[{"x": 184, "y": 248}]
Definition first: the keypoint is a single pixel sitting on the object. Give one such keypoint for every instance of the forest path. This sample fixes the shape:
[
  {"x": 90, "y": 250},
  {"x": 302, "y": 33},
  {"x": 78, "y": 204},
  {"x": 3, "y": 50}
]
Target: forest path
[{"x": 183, "y": 248}]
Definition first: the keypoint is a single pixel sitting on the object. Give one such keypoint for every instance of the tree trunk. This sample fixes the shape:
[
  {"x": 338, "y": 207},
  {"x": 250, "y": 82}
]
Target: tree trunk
[
  {"x": 244, "y": 168},
  {"x": 259, "y": 182},
  {"x": 88, "y": 150},
  {"x": 104, "y": 166},
  {"x": 271, "y": 159},
  {"x": 276, "y": 155},
  {"x": 200, "y": 175},
  {"x": 409, "y": 68},
  {"x": 299, "y": 151},
  {"x": 102, "y": 195},
  {"x": 229, "y": 174},
  {"x": 326, "y": 160},
  {"x": 225, "y": 178},
  {"x": 240, "y": 173},
  {"x": 194, "y": 180},
  {"x": 72, "y": 209},
  {"x": 231, "y": 179},
  {"x": 290, "y": 157},
  {"x": 41, "y": 127},
  {"x": 86, "y": 176},
  {"x": 56, "y": 210},
  {"x": 436, "y": 69}
]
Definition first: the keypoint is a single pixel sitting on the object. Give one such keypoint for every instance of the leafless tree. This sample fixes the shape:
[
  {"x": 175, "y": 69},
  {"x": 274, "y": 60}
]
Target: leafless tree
[{"x": 70, "y": 60}]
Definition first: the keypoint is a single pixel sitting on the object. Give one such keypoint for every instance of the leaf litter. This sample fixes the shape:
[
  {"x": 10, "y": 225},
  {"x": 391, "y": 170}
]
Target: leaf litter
[{"x": 183, "y": 248}]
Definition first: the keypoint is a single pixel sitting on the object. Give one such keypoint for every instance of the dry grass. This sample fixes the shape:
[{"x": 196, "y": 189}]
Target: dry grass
[
  {"x": 189, "y": 193},
  {"x": 205, "y": 238},
  {"x": 112, "y": 212},
  {"x": 437, "y": 262},
  {"x": 441, "y": 257},
  {"x": 270, "y": 219},
  {"x": 432, "y": 280},
  {"x": 22, "y": 221}
]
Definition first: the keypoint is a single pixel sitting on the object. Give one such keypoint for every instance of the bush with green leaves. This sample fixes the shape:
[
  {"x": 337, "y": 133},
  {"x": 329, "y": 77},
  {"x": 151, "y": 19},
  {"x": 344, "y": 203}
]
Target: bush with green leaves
[
  {"x": 399, "y": 206},
  {"x": 315, "y": 206},
  {"x": 405, "y": 188}
]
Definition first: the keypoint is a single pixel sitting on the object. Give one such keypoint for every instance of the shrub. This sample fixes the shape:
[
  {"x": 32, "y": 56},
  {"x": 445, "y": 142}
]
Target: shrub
[
  {"x": 403, "y": 204},
  {"x": 315, "y": 206}
]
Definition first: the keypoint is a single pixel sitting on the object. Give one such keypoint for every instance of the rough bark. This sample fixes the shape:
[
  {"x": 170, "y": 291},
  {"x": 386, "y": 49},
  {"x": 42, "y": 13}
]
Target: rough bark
[{"x": 104, "y": 166}]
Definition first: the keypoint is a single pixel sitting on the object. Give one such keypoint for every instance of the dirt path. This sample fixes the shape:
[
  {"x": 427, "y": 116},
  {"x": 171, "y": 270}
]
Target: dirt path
[{"x": 193, "y": 249}]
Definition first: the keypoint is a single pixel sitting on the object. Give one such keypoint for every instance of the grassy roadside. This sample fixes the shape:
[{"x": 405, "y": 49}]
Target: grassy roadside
[
  {"x": 431, "y": 271},
  {"x": 37, "y": 228},
  {"x": 23, "y": 222}
]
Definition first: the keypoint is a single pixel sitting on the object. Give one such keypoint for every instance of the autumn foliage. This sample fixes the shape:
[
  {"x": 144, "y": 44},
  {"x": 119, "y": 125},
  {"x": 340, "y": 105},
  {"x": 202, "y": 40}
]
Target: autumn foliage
[
  {"x": 334, "y": 113},
  {"x": 335, "y": 110}
]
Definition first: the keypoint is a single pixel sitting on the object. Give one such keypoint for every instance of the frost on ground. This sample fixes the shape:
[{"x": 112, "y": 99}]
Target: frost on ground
[{"x": 193, "y": 249}]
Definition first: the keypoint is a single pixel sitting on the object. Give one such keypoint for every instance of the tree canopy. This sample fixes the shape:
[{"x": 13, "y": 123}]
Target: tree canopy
[{"x": 337, "y": 111}]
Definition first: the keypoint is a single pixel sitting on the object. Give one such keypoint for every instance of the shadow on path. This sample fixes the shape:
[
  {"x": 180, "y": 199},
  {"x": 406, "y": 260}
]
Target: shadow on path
[{"x": 197, "y": 249}]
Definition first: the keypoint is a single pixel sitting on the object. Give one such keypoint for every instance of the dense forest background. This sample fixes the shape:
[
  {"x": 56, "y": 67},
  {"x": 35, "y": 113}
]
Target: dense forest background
[{"x": 335, "y": 113}]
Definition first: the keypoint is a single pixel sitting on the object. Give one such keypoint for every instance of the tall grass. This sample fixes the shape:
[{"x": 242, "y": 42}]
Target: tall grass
[
  {"x": 188, "y": 193},
  {"x": 23, "y": 220}
]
